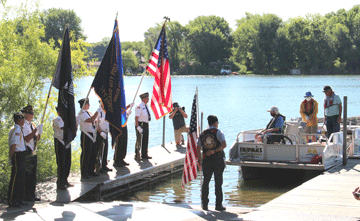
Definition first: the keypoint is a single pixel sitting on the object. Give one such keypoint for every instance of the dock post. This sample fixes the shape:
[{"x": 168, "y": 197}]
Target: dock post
[
  {"x": 201, "y": 122},
  {"x": 344, "y": 130}
]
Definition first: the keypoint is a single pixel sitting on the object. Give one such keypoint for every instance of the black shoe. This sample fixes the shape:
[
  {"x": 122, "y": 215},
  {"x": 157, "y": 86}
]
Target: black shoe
[
  {"x": 205, "y": 207},
  {"x": 85, "y": 177},
  {"x": 94, "y": 174},
  {"x": 14, "y": 205},
  {"x": 118, "y": 165},
  {"x": 106, "y": 169},
  {"x": 147, "y": 157},
  {"x": 37, "y": 199},
  {"x": 23, "y": 204},
  {"x": 69, "y": 185},
  {"x": 124, "y": 163},
  {"x": 61, "y": 187},
  {"x": 220, "y": 208}
]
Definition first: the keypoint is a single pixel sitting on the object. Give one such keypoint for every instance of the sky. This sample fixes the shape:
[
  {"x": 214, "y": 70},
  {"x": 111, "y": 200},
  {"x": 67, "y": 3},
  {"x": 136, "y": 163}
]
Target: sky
[{"x": 136, "y": 16}]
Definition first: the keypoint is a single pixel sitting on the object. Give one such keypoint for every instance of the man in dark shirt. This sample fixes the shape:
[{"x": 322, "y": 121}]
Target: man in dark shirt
[{"x": 178, "y": 116}]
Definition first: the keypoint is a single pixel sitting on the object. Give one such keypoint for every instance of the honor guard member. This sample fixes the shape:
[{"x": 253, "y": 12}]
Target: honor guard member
[
  {"x": 121, "y": 143},
  {"x": 102, "y": 142},
  {"x": 63, "y": 154},
  {"x": 17, "y": 153},
  {"x": 142, "y": 119},
  {"x": 88, "y": 137},
  {"x": 32, "y": 137},
  {"x": 212, "y": 142}
]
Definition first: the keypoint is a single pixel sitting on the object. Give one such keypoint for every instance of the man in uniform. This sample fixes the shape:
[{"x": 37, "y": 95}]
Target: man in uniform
[
  {"x": 308, "y": 112},
  {"x": 332, "y": 111},
  {"x": 32, "y": 136},
  {"x": 178, "y": 116},
  {"x": 87, "y": 139},
  {"x": 17, "y": 154},
  {"x": 212, "y": 142},
  {"x": 121, "y": 143},
  {"x": 142, "y": 119},
  {"x": 102, "y": 142},
  {"x": 63, "y": 154}
]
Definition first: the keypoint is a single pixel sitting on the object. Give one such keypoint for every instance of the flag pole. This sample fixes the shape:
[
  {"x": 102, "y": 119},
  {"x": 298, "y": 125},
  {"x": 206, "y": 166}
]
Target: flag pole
[
  {"x": 52, "y": 81},
  {"x": 198, "y": 132}
]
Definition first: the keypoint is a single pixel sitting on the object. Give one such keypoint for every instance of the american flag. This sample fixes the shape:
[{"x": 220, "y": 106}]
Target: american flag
[
  {"x": 159, "y": 67},
  {"x": 190, "y": 171}
]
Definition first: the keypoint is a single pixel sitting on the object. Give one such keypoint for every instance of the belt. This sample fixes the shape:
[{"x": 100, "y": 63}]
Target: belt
[{"x": 143, "y": 122}]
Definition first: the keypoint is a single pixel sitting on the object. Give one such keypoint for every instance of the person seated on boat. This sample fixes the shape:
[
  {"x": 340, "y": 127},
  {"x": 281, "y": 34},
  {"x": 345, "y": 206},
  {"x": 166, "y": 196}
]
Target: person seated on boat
[
  {"x": 274, "y": 126},
  {"x": 308, "y": 112}
]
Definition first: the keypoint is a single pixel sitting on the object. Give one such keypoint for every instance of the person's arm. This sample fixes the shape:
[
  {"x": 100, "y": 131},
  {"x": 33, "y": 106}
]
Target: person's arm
[
  {"x": 183, "y": 113},
  {"x": 12, "y": 150},
  {"x": 171, "y": 116},
  {"x": 303, "y": 115},
  {"x": 30, "y": 135},
  {"x": 340, "y": 112},
  {"x": 92, "y": 118},
  {"x": 137, "y": 121},
  {"x": 198, "y": 150}
]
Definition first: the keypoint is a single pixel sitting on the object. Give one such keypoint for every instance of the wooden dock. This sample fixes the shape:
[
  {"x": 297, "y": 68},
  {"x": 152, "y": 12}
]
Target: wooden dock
[
  {"x": 325, "y": 197},
  {"x": 138, "y": 173}
]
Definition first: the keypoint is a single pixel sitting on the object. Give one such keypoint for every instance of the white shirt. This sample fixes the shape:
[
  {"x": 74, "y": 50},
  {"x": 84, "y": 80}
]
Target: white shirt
[
  {"x": 16, "y": 137},
  {"x": 103, "y": 124},
  {"x": 85, "y": 126},
  {"x": 27, "y": 130},
  {"x": 142, "y": 113}
]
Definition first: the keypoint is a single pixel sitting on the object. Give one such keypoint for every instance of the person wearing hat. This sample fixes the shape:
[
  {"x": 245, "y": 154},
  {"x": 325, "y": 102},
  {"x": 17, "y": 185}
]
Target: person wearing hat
[
  {"x": 308, "y": 112},
  {"x": 274, "y": 126},
  {"x": 178, "y": 116},
  {"x": 142, "y": 119},
  {"x": 17, "y": 154},
  {"x": 332, "y": 111},
  {"x": 212, "y": 143},
  {"x": 87, "y": 139},
  {"x": 63, "y": 154},
  {"x": 32, "y": 137}
]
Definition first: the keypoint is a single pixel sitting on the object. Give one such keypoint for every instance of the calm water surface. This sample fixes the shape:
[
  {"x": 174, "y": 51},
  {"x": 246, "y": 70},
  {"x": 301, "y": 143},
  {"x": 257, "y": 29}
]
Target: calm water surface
[{"x": 240, "y": 102}]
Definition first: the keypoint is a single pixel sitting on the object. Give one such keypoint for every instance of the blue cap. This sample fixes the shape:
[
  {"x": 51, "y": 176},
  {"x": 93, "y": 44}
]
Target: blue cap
[{"x": 308, "y": 94}]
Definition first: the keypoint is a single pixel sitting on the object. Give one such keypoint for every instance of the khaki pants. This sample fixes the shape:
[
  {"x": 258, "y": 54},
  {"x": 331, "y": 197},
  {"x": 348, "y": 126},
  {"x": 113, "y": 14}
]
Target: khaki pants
[{"x": 177, "y": 133}]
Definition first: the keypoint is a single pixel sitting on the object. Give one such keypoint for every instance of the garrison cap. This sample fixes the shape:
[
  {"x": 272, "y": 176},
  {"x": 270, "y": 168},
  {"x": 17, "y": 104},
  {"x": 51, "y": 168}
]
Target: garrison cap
[
  {"x": 144, "y": 95},
  {"x": 82, "y": 101},
  {"x": 18, "y": 116},
  {"x": 27, "y": 110}
]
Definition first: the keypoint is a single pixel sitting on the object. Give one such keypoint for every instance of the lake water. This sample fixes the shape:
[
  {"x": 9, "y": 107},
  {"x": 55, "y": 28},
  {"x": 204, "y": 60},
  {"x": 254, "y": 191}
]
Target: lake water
[{"x": 240, "y": 102}]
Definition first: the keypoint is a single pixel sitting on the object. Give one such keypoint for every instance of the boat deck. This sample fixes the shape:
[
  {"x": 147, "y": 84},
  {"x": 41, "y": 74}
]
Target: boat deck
[{"x": 122, "y": 179}]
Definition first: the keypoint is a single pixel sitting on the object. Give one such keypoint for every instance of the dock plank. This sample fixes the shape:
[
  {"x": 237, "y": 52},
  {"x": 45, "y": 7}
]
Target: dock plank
[
  {"x": 325, "y": 197},
  {"x": 162, "y": 160}
]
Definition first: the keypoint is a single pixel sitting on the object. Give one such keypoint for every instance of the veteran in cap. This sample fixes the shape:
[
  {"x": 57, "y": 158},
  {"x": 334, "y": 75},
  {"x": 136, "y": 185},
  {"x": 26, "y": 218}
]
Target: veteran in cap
[
  {"x": 142, "y": 119},
  {"x": 17, "y": 161},
  {"x": 32, "y": 136}
]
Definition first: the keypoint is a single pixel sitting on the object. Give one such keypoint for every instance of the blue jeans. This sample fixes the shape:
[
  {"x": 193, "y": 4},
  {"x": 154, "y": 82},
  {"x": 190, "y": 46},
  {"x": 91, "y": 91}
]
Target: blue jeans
[{"x": 332, "y": 126}]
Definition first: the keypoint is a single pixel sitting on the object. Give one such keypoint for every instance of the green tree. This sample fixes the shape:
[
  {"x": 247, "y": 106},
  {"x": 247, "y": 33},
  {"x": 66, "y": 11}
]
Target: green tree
[
  {"x": 129, "y": 60},
  {"x": 55, "y": 21},
  {"x": 209, "y": 39}
]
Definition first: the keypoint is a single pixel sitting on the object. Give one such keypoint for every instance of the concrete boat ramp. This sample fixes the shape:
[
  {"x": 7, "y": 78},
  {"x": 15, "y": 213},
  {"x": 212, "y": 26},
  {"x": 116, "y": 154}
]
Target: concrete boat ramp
[{"x": 326, "y": 197}]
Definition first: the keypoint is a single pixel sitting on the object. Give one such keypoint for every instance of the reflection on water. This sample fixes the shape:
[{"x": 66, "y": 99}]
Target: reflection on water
[{"x": 237, "y": 192}]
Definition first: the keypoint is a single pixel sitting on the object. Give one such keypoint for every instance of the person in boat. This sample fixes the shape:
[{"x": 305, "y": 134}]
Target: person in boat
[
  {"x": 332, "y": 111},
  {"x": 274, "y": 126},
  {"x": 178, "y": 116},
  {"x": 212, "y": 142},
  {"x": 308, "y": 112}
]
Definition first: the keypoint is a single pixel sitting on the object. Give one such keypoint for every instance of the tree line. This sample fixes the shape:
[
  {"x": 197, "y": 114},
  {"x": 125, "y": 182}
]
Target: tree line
[{"x": 263, "y": 44}]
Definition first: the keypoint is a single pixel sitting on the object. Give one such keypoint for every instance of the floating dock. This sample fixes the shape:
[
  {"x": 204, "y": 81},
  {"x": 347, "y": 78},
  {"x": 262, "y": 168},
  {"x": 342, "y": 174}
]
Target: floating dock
[{"x": 124, "y": 179}]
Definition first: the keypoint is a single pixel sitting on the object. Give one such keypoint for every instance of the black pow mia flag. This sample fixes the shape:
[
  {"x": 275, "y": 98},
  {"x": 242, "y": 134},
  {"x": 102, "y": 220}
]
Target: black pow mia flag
[{"x": 63, "y": 81}]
